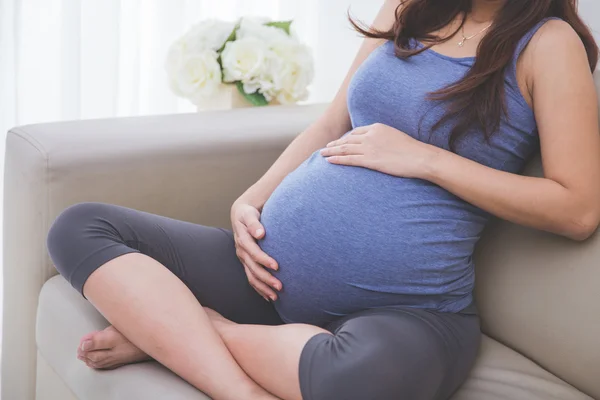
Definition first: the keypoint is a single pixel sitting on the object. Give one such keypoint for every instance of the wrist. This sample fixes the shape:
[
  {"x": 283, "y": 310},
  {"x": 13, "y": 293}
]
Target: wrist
[
  {"x": 250, "y": 199},
  {"x": 433, "y": 157}
]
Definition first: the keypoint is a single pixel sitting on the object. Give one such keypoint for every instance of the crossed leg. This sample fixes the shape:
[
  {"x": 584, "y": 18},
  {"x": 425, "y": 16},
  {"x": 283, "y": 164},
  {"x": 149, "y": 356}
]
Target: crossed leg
[
  {"x": 150, "y": 277},
  {"x": 153, "y": 289}
]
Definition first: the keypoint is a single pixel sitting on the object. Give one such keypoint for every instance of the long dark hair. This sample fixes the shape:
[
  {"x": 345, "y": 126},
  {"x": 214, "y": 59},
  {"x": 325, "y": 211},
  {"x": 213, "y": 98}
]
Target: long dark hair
[{"x": 478, "y": 100}]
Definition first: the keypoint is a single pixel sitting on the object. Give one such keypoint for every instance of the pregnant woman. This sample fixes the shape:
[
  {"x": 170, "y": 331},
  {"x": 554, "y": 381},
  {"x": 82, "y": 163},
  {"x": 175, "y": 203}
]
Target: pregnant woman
[{"x": 349, "y": 272}]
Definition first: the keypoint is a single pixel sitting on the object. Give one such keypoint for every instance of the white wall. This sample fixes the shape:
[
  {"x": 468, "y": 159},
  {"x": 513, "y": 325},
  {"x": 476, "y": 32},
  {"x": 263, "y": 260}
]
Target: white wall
[
  {"x": 339, "y": 42},
  {"x": 590, "y": 10}
]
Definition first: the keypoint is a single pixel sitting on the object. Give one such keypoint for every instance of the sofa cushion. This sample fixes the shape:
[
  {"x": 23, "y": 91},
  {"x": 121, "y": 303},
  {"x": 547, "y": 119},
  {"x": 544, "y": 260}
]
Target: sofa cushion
[
  {"x": 64, "y": 316},
  {"x": 503, "y": 374}
]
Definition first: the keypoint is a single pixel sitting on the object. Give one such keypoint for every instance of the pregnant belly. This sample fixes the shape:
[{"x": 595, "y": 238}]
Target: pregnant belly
[{"x": 349, "y": 239}]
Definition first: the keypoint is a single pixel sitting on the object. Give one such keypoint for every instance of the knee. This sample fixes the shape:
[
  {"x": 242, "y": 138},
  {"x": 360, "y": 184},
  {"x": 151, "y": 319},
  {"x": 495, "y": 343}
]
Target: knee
[{"x": 69, "y": 229}]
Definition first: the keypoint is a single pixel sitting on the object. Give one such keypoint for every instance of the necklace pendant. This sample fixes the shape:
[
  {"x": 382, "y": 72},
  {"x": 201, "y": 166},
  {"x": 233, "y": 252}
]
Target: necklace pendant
[{"x": 461, "y": 43}]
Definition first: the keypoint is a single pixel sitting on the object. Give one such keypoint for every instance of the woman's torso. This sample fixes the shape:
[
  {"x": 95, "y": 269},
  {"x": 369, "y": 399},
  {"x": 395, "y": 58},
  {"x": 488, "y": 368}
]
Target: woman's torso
[{"x": 349, "y": 238}]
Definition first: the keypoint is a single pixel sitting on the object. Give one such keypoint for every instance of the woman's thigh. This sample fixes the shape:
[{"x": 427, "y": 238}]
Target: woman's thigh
[
  {"x": 87, "y": 235},
  {"x": 391, "y": 353}
]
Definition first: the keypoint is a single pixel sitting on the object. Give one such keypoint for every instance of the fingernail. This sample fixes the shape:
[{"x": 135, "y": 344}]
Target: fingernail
[
  {"x": 86, "y": 345},
  {"x": 259, "y": 232},
  {"x": 273, "y": 298}
]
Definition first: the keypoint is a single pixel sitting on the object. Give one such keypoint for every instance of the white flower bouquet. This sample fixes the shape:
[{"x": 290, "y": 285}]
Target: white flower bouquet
[{"x": 264, "y": 60}]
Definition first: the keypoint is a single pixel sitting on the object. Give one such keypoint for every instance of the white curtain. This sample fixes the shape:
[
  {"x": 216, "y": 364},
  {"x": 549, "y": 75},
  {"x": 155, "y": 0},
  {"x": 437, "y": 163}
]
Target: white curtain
[{"x": 71, "y": 59}]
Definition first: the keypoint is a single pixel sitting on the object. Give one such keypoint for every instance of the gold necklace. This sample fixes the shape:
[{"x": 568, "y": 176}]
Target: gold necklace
[{"x": 465, "y": 38}]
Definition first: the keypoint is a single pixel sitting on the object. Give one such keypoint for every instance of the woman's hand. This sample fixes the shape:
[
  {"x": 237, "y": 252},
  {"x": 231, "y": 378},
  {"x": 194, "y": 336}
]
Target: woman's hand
[
  {"x": 381, "y": 148},
  {"x": 247, "y": 229}
]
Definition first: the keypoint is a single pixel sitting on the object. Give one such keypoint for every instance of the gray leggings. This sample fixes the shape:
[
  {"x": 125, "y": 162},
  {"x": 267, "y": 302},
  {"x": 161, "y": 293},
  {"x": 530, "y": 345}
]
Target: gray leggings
[{"x": 390, "y": 353}]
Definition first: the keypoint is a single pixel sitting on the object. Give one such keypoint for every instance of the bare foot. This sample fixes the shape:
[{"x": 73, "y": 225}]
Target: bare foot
[{"x": 108, "y": 349}]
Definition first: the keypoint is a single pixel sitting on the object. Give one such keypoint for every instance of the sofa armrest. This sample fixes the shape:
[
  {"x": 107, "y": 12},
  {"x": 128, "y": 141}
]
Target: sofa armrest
[{"x": 189, "y": 167}]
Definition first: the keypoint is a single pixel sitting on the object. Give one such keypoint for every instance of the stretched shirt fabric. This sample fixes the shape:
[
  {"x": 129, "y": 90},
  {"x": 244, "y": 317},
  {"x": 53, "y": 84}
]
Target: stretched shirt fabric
[{"x": 350, "y": 238}]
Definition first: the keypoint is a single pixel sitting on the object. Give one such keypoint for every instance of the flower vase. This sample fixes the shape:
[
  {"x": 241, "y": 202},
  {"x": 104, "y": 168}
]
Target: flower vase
[{"x": 226, "y": 98}]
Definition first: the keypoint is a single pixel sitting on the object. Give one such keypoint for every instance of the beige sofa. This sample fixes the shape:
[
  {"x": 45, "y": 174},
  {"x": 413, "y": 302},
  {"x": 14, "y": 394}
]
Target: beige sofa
[{"x": 539, "y": 294}]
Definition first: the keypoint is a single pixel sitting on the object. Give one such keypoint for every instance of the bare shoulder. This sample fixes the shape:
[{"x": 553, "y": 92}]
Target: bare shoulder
[
  {"x": 555, "y": 50},
  {"x": 556, "y": 41}
]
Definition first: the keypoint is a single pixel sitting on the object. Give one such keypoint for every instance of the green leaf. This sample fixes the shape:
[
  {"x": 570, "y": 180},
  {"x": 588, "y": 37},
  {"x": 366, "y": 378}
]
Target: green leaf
[
  {"x": 283, "y": 25},
  {"x": 231, "y": 37},
  {"x": 256, "y": 99}
]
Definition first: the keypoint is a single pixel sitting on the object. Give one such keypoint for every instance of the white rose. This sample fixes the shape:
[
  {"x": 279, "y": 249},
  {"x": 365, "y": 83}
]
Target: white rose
[
  {"x": 262, "y": 84},
  {"x": 256, "y": 28},
  {"x": 292, "y": 71},
  {"x": 244, "y": 60},
  {"x": 174, "y": 61},
  {"x": 196, "y": 76},
  {"x": 209, "y": 34}
]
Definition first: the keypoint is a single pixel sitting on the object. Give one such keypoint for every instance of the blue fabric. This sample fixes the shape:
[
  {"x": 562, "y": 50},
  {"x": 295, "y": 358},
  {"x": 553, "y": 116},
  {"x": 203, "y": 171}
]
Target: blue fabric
[{"x": 349, "y": 239}]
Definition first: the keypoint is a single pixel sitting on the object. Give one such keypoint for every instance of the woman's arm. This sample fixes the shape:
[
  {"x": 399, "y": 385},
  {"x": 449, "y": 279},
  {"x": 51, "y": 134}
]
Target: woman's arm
[
  {"x": 332, "y": 124},
  {"x": 567, "y": 200}
]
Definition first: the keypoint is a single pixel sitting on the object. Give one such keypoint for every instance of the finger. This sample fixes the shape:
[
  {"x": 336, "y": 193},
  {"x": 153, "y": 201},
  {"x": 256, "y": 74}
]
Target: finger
[
  {"x": 253, "y": 225},
  {"x": 342, "y": 150},
  {"x": 361, "y": 130},
  {"x": 267, "y": 293},
  {"x": 262, "y": 274},
  {"x": 346, "y": 140},
  {"x": 252, "y": 280},
  {"x": 353, "y": 160},
  {"x": 248, "y": 244},
  {"x": 247, "y": 241}
]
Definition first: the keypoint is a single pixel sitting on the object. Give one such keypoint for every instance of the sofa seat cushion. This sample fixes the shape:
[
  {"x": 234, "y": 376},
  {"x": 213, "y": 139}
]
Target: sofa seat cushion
[
  {"x": 501, "y": 373},
  {"x": 64, "y": 317}
]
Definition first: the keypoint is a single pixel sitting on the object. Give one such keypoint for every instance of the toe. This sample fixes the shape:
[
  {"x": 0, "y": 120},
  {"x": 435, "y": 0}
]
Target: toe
[
  {"x": 86, "y": 339},
  {"x": 99, "y": 359},
  {"x": 86, "y": 361},
  {"x": 98, "y": 356},
  {"x": 103, "y": 340}
]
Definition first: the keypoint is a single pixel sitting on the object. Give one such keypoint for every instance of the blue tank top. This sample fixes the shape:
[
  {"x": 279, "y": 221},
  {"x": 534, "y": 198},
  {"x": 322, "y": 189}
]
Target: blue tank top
[{"x": 349, "y": 239}]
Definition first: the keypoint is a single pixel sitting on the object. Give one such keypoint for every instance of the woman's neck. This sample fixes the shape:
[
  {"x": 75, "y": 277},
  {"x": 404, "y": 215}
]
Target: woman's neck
[{"x": 485, "y": 10}]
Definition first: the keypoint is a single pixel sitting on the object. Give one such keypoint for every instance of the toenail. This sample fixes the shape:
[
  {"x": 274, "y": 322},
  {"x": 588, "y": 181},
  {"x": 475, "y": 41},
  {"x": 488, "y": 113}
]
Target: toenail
[{"x": 86, "y": 345}]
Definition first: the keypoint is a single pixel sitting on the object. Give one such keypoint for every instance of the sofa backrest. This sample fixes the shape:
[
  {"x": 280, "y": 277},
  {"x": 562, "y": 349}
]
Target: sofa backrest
[{"x": 540, "y": 295}]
